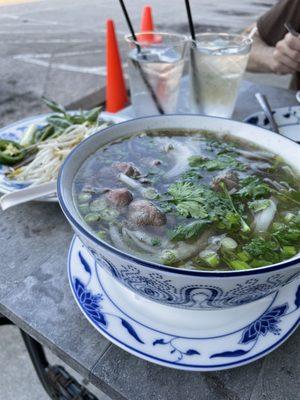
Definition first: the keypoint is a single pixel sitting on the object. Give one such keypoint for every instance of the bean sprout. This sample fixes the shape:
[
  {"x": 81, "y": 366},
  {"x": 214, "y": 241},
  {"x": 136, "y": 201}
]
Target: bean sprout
[{"x": 50, "y": 155}]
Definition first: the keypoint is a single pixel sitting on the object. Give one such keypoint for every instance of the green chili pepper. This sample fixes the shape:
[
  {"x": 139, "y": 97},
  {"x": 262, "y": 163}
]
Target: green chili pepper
[
  {"x": 11, "y": 152},
  {"x": 48, "y": 131}
]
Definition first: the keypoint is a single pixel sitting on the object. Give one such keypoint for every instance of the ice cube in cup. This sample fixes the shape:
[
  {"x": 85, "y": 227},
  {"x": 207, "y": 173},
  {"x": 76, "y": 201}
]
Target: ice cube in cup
[
  {"x": 217, "y": 64},
  {"x": 160, "y": 66}
]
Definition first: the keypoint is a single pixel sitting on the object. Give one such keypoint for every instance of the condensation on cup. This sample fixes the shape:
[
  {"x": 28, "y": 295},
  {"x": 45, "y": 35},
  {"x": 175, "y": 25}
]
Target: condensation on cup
[
  {"x": 217, "y": 65},
  {"x": 155, "y": 67}
]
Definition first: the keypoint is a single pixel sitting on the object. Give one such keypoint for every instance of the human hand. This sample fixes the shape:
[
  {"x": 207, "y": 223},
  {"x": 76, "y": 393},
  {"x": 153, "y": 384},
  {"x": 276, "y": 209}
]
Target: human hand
[{"x": 286, "y": 56}]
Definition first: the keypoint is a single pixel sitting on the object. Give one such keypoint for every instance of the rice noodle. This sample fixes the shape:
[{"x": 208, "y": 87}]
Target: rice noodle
[
  {"x": 255, "y": 155},
  {"x": 132, "y": 183},
  {"x": 117, "y": 239},
  {"x": 181, "y": 153},
  {"x": 275, "y": 184},
  {"x": 139, "y": 240},
  {"x": 184, "y": 250},
  {"x": 148, "y": 192}
]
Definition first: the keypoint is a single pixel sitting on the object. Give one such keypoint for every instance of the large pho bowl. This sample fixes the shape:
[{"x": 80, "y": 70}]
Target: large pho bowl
[{"x": 188, "y": 289}]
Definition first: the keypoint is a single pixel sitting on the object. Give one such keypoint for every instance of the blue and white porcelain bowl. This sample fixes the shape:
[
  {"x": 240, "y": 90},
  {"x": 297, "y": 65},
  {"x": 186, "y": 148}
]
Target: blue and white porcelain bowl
[{"x": 189, "y": 289}]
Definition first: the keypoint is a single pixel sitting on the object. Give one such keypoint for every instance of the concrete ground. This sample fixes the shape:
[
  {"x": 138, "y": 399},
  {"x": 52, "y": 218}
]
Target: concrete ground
[
  {"x": 18, "y": 380},
  {"x": 56, "y": 48}
]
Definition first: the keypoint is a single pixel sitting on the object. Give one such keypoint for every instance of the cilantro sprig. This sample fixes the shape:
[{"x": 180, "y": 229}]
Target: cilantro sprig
[
  {"x": 253, "y": 188},
  {"x": 259, "y": 205},
  {"x": 245, "y": 227},
  {"x": 197, "y": 201},
  {"x": 188, "y": 231},
  {"x": 189, "y": 199},
  {"x": 261, "y": 247},
  {"x": 287, "y": 231},
  {"x": 220, "y": 163}
]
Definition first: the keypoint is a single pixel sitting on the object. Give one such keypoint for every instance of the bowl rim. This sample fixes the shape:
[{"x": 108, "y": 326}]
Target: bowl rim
[{"x": 140, "y": 261}]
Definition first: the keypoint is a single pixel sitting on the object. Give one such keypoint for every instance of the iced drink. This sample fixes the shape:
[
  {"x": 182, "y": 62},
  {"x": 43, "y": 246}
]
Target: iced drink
[
  {"x": 217, "y": 65},
  {"x": 155, "y": 70}
]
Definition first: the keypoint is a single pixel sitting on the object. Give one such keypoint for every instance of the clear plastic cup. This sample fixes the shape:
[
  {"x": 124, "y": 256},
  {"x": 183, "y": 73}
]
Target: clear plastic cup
[
  {"x": 217, "y": 64},
  {"x": 155, "y": 66}
]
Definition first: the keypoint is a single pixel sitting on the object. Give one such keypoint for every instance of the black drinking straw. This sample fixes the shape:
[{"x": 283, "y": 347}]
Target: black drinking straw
[
  {"x": 190, "y": 18},
  {"x": 136, "y": 63},
  {"x": 130, "y": 26},
  {"x": 193, "y": 36}
]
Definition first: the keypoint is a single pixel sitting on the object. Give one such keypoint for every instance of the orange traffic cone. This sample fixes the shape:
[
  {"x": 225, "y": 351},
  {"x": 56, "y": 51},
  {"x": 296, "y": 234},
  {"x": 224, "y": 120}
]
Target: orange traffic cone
[
  {"x": 147, "y": 25},
  {"x": 116, "y": 95},
  {"x": 147, "y": 21}
]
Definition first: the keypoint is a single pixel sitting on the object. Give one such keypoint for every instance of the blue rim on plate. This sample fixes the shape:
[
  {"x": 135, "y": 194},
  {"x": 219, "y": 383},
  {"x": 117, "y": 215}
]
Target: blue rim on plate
[
  {"x": 287, "y": 118},
  {"x": 156, "y": 266},
  {"x": 249, "y": 343}
]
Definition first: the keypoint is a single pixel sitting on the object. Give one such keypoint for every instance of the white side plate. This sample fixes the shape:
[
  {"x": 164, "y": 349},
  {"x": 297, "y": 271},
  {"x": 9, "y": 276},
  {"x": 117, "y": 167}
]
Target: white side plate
[
  {"x": 287, "y": 118},
  {"x": 15, "y": 132}
]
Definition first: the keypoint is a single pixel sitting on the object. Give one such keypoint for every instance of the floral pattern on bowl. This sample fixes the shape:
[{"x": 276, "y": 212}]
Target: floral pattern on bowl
[
  {"x": 116, "y": 321},
  {"x": 176, "y": 287}
]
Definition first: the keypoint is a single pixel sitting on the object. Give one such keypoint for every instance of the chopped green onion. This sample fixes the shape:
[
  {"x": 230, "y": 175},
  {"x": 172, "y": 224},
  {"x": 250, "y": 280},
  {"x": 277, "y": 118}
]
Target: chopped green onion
[
  {"x": 289, "y": 251},
  {"x": 98, "y": 205},
  {"x": 84, "y": 208},
  {"x": 228, "y": 244},
  {"x": 168, "y": 257},
  {"x": 92, "y": 217},
  {"x": 239, "y": 265},
  {"x": 109, "y": 215},
  {"x": 84, "y": 197},
  {"x": 289, "y": 217},
  {"x": 210, "y": 257},
  {"x": 101, "y": 235},
  {"x": 243, "y": 256},
  {"x": 155, "y": 242},
  {"x": 150, "y": 193},
  {"x": 259, "y": 263}
]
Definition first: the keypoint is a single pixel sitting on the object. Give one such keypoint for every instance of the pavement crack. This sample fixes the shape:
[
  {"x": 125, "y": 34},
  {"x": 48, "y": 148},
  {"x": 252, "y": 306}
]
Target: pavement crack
[
  {"x": 49, "y": 68},
  {"x": 17, "y": 284},
  {"x": 109, "y": 345},
  {"x": 100, "y": 383},
  {"x": 257, "y": 378},
  {"x": 218, "y": 387}
]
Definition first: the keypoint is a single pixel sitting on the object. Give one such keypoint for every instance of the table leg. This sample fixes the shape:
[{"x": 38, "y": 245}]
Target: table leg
[{"x": 57, "y": 382}]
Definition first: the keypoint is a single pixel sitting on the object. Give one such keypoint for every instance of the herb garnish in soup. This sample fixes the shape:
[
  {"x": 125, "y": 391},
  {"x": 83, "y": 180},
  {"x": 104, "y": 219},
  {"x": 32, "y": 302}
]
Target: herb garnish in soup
[{"x": 191, "y": 200}]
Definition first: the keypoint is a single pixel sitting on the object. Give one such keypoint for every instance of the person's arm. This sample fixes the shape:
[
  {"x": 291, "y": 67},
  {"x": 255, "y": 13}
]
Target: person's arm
[
  {"x": 282, "y": 59},
  {"x": 261, "y": 56}
]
